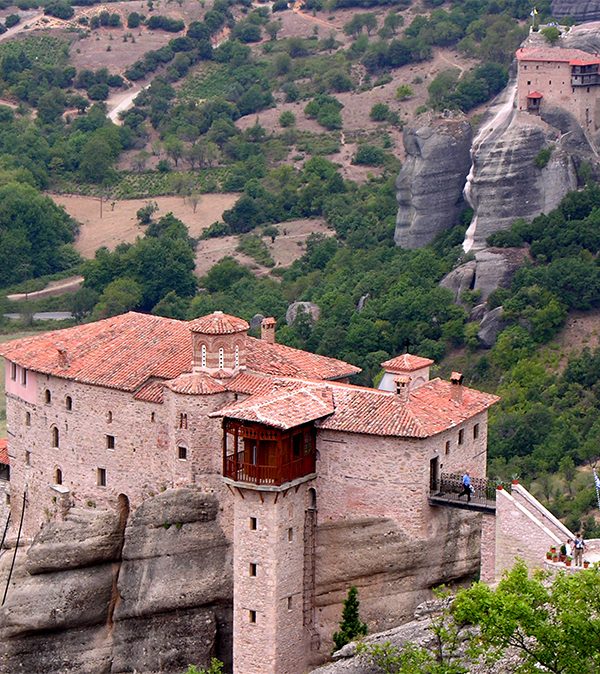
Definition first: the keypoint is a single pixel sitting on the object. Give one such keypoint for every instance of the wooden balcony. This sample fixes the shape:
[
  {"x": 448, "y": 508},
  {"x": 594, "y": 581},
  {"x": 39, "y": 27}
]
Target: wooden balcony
[
  {"x": 238, "y": 469},
  {"x": 264, "y": 456}
]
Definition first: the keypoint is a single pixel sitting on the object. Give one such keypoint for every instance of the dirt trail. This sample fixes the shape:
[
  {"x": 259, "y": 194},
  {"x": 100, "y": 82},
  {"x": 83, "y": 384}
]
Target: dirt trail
[
  {"x": 297, "y": 9},
  {"x": 67, "y": 285}
]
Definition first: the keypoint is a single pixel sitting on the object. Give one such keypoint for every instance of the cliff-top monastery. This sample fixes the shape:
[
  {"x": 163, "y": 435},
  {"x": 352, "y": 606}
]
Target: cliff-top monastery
[{"x": 112, "y": 412}]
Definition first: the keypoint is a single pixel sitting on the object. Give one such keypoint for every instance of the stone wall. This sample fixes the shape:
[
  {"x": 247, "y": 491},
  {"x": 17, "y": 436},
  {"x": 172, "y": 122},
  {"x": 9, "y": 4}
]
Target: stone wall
[
  {"x": 144, "y": 459},
  {"x": 518, "y": 534},
  {"x": 268, "y": 606}
]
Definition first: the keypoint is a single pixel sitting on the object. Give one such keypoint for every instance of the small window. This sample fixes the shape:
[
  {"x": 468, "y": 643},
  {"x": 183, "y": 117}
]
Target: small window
[
  {"x": 69, "y": 403},
  {"x": 153, "y": 417},
  {"x": 461, "y": 436},
  {"x": 8, "y": 499},
  {"x": 253, "y": 569},
  {"x": 27, "y": 458},
  {"x": 58, "y": 479},
  {"x": 182, "y": 453},
  {"x": 447, "y": 449},
  {"x": 47, "y": 396},
  {"x": 203, "y": 357},
  {"x": 109, "y": 417},
  {"x": 27, "y": 418},
  {"x": 237, "y": 356},
  {"x": 253, "y": 524},
  {"x": 55, "y": 437},
  {"x": 23, "y": 376},
  {"x": 183, "y": 420},
  {"x": 13, "y": 371},
  {"x": 221, "y": 359},
  {"x": 290, "y": 534},
  {"x": 101, "y": 477},
  {"x": 252, "y": 617},
  {"x": 110, "y": 442},
  {"x": 289, "y": 603},
  {"x": 475, "y": 431}
]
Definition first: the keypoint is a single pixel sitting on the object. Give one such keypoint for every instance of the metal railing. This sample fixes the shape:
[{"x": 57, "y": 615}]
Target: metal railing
[{"x": 450, "y": 485}]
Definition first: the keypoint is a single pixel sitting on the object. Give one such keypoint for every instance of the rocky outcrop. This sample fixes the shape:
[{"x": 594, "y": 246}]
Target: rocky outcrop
[
  {"x": 309, "y": 308},
  {"x": 430, "y": 183},
  {"x": 507, "y": 184},
  {"x": 394, "y": 571},
  {"x": 491, "y": 269},
  {"x": 579, "y": 10},
  {"x": 490, "y": 327},
  {"x": 101, "y": 593}
]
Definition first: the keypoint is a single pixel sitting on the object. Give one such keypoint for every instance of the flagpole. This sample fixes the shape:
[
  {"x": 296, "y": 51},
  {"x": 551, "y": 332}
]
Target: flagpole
[{"x": 597, "y": 484}]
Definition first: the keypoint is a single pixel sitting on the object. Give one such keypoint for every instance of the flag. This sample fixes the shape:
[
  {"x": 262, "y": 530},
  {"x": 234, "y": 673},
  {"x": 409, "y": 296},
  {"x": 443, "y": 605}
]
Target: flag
[
  {"x": 533, "y": 12},
  {"x": 597, "y": 484}
]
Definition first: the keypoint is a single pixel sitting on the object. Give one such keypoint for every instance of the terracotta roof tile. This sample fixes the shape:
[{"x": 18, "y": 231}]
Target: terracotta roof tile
[
  {"x": 244, "y": 382},
  {"x": 218, "y": 323},
  {"x": 4, "y": 451},
  {"x": 125, "y": 351},
  {"x": 556, "y": 54},
  {"x": 286, "y": 407},
  {"x": 195, "y": 383},
  {"x": 151, "y": 392},
  {"x": 406, "y": 362}
]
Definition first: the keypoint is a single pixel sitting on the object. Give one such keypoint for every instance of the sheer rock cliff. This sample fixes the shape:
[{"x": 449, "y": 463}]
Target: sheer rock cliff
[{"x": 431, "y": 180}]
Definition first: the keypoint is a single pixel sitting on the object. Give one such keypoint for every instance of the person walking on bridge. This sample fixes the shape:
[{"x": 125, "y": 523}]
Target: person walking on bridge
[{"x": 467, "y": 487}]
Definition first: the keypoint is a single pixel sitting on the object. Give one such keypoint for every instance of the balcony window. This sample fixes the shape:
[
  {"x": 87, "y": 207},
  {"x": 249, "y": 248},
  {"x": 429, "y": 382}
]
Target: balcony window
[
  {"x": 13, "y": 371},
  {"x": 101, "y": 477}
]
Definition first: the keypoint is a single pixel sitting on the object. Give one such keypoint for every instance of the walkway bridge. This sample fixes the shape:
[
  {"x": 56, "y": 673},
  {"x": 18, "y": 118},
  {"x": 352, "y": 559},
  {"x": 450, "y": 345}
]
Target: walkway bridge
[{"x": 446, "y": 487}]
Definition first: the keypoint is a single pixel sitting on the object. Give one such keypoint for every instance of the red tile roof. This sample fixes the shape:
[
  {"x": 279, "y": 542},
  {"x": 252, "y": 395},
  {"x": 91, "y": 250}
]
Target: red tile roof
[
  {"x": 150, "y": 392},
  {"x": 535, "y": 94},
  {"x": 126, "y": 351},
  {"x": 244, "y": 382},
  {"x": 288, "y": 406},
  {"x": 430, "y": 409},
  {"x": 556, "y": 55},
  {"x": 195, "y": 383},
  {"x": 4, "y": 452},
  {"x": 218, "y": 323},
  {"x": 406, "y": 363}
]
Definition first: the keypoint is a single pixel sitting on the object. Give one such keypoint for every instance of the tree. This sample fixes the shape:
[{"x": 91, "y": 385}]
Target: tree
[
  {"x": 351, "y": 626},
  {"x": 145, "y": 213},
  {"x": 287, "y": 118},
  {"x": 404, "y": 91},
  {"x": 83, "y": 302},
  {"x": 174, "y": 148},
  {"x": 272, "y": 28},
  {"x": 379, "y": 112},
  {"x": 119, "y": 296},
  {"x": 551, "y": 33},
  {"x": 553, "y": 625}
]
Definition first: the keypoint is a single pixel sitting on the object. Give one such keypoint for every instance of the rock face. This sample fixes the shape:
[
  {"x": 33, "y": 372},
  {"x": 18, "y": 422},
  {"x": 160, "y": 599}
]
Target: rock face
[
  {"x": 104, "y": 593},
  {"x": 490, "y": 327},
  {"x": 392, "y": 570},
  {"x": 309, "y": 308},
  {"x": 579, "y": 10},
  {"x": 506, "y": 184},
  {"x": 430, "y": 183},
  {"x": 491, "y": 269}
]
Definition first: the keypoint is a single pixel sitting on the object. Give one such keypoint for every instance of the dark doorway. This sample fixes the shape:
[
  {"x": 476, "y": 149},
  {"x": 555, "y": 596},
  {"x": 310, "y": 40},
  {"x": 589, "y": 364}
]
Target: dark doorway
[{"x": 434, "y": 473}]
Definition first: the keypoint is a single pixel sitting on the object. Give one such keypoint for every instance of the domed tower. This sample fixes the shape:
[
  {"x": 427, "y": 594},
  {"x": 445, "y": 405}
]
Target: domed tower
[{"x": 219, "y": 344}]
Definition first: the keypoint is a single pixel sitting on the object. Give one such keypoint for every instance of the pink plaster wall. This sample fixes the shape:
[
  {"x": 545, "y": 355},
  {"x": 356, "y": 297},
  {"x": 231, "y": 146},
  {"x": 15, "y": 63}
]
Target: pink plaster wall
[{"x": 15, "y": 387}]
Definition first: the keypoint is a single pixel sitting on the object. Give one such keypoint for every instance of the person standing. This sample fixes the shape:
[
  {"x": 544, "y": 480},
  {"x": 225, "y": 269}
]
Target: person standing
[
  {"x": 578, "y": 548},
  {"x": 467, "y": 488}
]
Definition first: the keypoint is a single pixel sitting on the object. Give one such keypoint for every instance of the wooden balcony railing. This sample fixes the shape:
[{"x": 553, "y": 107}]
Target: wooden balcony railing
[{"x": 236, "y": 468}]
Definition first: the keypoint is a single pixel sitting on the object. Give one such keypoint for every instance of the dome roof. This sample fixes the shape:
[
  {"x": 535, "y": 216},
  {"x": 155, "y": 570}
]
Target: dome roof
[{"x": 218, "y": 323}]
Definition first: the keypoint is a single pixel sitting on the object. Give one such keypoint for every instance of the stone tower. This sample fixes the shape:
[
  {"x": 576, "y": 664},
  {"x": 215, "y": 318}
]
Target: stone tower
[{"x": 271, "y": 472}]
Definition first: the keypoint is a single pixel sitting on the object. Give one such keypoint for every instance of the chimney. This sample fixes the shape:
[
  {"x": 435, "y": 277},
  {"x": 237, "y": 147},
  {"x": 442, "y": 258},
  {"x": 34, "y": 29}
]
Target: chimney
[
  {"x": 63, "y": 360},
  {"x": 267, "y": 330},
  {"x": 402, "y": 385},
  {"x": 456, "y": 389}
]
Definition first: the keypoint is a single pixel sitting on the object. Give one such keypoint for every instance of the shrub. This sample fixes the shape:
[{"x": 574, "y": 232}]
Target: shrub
[
  {"x": 404, "y": 91},
  {"x": 326, "y": 110},
  {"x": 12, "y": 20},
  {"x": 379, "y": 112},
  {"x": 280, "y": 6},
  {"x": 543, "y": 157},
  {"x": 287, "y": 118},
  {"x": 160, "y": 22},
  {"x": 551, "y": 33},
  {"x": 61, "y": 9},
  {"x": 369, "y": 155},
  {"x": 134, "y": 20}
]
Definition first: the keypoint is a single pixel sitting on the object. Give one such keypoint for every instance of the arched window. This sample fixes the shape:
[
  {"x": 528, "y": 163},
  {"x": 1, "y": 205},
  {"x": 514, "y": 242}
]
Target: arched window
[
  {"x": 47, "y": 396},
  {"x": 109, "y": 417},
  {"x": 55, "y": 437},
  {"x": 58, "y": 476},
  {"x": 203, "y": 358},
  {"x": 27, "y": 418},
  {"x": 69, "y": 403},
  {"x": 221, "y": 358},
  {"x": 183, "y": 421},
  {"x": 237, "y": 356}
]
